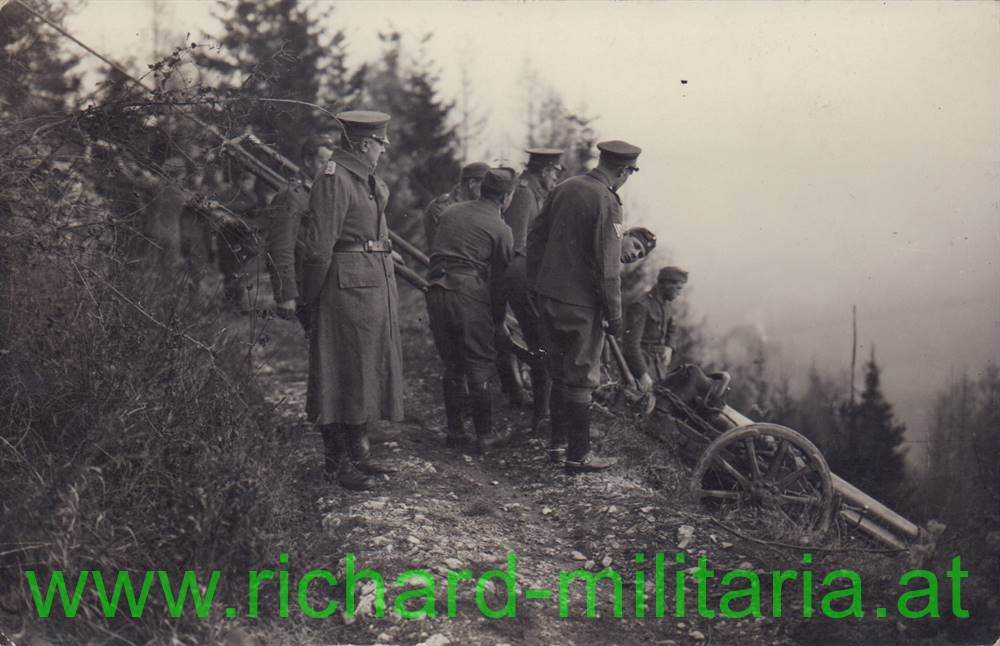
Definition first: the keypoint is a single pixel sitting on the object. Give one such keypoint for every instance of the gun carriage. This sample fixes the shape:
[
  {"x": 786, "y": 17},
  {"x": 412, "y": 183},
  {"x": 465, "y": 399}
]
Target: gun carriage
[{"x": 771, "y": 478}]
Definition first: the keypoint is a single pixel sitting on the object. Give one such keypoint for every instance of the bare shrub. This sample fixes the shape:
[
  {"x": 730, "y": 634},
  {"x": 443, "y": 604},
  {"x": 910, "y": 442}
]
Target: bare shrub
[{"x": 132, "y": 433}]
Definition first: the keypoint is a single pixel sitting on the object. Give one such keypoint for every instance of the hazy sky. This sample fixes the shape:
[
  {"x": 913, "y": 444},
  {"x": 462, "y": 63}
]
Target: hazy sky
[{"x": 820, "y": 155}]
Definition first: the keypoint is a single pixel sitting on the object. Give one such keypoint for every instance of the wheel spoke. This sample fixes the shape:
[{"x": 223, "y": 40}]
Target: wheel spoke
[
  {"x": 731, "y": 470},
  {"x": 794, "y": 476},
  {"x": 779, "y": 457},
  {"x": 752, "y": 454}
]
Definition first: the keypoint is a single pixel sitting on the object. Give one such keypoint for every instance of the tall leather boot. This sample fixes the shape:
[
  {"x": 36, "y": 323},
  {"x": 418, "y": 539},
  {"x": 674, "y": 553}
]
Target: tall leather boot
[
  {"x": 456, "y": 405},
  {"x": 360, "y": 450},
  {"x": 579, "y": 458},
  {"x": 541, "y": 388},
  {"x": 331, "y": 457},
  {"x": 482, "y": 417},
  {"x": 557, "y": 428},
  {"x": 339, "y": 465}
]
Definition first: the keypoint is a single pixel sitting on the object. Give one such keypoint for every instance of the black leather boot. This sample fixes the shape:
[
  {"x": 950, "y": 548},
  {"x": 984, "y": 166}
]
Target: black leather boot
[
  {"x": 346, "y": 474},
  {"x": 455, "y": 406},
  {"x": 557, "y": 428},
  {"x": 541, "y": 389},
  {"x": 331, "y": 457},
  {"x": 482, "y": 417},
  {"x": 360, "y": 450},
  {"x": 579, "y": 458}
]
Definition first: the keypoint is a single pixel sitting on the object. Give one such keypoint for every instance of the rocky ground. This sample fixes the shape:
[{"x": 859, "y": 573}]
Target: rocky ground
[{"x": 446, "y": 511}]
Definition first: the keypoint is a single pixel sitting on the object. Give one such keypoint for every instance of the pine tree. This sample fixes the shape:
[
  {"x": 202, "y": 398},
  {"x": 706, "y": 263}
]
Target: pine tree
[
  {"x": 549, "y": 123},
  {"x": 274, "y": 49},
  {"x": 35, "y": 74},
  {"x": 872, "y": 458},
  {"x": 423, "y": 158}
]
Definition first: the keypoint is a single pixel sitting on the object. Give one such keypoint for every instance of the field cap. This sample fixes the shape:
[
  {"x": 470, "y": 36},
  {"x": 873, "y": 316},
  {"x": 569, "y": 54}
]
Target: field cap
[
  {"x": 365, "y": 123},
  {"x": 475, "y": 170}
]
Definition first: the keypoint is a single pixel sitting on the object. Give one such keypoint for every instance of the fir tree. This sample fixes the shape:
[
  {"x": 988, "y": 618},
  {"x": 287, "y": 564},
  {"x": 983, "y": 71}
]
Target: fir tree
[
  {"x": 35, "y": 74},
  {"x": 274, "y": 49},
  {"x": 423, "y": 158},
  {"x": 872, "y": 458},
  {"x": 549, "y": 123}
]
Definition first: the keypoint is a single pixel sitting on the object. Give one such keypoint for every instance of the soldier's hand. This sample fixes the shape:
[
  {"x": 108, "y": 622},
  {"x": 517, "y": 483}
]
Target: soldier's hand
[
  {"x": 285, "y": 309},
  {"x": 666, "y": 354},
  {"x": 645, "y": 383},
  {"x": 304, "y": 313},
  {"x": 614, "y": 327}
]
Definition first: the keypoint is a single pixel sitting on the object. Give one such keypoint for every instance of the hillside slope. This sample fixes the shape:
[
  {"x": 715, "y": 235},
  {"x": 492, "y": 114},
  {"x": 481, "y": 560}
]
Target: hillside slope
[{"x": 446, "y": 510}]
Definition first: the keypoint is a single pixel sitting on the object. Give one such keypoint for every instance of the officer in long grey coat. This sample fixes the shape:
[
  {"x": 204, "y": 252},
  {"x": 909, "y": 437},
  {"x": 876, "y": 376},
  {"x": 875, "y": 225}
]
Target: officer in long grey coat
[
  {"x": 348, "y": 281},
  {"x": 472, "y": 249},
  {"x": 574, "y": 266}
]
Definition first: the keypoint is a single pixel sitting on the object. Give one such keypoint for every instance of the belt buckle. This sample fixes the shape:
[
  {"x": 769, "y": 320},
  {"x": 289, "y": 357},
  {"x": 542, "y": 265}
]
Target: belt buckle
[{"x": 380, "y": 246}]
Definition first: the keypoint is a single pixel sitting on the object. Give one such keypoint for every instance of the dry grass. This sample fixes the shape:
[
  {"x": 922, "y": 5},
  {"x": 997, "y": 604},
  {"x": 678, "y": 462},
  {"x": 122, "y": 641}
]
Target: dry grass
[{"x": 132, "y": 432}]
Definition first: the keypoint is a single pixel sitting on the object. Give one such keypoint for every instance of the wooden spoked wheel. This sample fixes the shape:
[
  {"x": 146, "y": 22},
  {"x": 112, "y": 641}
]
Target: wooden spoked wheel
[{"x": 768, "y": 480}]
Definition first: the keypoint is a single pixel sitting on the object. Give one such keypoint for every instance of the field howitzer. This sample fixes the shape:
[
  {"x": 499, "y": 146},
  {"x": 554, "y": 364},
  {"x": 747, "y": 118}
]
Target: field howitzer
[{"x": 759, "y": 472}]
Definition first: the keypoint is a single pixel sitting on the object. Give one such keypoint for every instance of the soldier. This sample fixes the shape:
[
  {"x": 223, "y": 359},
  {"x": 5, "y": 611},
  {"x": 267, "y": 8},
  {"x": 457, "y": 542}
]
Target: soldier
[
  {"x": 574, "y": 264},
  {"x": 539, "y": 177},
  {"x": 348, "y": 281},
  {"x": 285, "y": 215},
  {"x": 465, "y": 303},
  {"x": 466, "y": 189},
  {"x": 649, "y": 329},
  {"x": 237, "y": 241},
  {"x": 637, "y": 243}
]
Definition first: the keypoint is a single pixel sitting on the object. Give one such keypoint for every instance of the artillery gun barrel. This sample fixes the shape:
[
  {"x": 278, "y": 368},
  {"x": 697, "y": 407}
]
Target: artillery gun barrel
[
  {"x": 855, "y": 519},
  {"x": 872, "y": 507}
]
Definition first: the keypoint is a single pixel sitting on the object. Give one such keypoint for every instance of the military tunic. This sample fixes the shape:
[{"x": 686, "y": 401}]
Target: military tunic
[
  {"x": 649, "y": 330},
  {"x": 574, "y": 264},
  {"x": 432, "y": 214},
  {"x": 355, "y": 354},
  {"x": 524, "y": 208},
  {"x": 284, "y": 248},
  {"x": 472, "y": 249}
]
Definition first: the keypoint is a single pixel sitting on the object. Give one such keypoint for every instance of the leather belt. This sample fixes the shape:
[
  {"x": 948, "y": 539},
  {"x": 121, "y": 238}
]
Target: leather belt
[{"x": 364, "y": 246}]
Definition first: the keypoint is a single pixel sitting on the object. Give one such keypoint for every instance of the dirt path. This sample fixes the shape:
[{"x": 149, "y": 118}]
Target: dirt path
[{"x": 446, "y": 510}]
